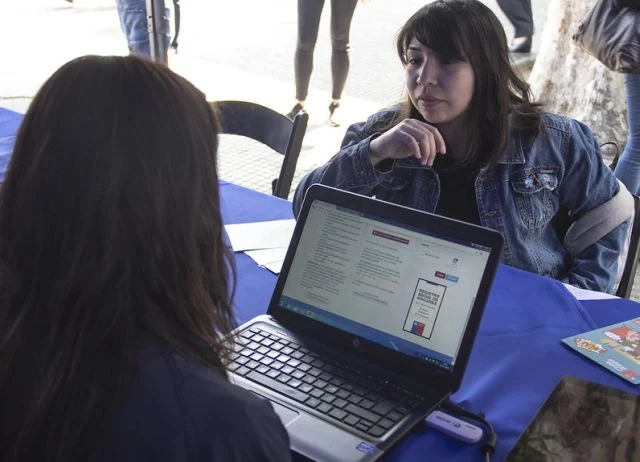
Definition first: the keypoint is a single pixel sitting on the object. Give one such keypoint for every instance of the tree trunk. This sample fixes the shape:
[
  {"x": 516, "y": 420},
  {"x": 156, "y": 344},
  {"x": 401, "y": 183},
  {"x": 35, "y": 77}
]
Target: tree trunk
[{"x": 570, "y": 81}]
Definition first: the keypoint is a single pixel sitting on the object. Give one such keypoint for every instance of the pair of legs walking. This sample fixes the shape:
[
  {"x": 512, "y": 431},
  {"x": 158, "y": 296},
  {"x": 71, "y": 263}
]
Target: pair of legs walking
[
  {"x": 309, "y": 12},
  {"x": 628, "y": 168}
]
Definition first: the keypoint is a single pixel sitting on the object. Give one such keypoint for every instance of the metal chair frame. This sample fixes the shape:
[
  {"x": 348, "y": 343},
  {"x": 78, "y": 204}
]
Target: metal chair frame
[{"x": 270, "y": 128}]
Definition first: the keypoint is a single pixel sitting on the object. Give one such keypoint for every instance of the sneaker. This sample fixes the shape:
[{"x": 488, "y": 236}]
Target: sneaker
[
  {"x": 333, "y": 120},
  {"x": 294, "y": 111},
  {"x": 521, "y": 45}
]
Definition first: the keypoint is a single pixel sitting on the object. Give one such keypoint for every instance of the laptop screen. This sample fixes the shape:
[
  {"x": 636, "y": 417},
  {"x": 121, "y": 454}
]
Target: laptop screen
[{"x": 402, "y": 287}]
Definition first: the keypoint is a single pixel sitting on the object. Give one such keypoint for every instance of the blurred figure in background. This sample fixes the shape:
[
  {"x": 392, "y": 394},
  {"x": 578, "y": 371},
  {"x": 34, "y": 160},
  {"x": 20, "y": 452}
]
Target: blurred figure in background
[
  {"x": 520, "y": 15},
  {"x": 133, "y": 22},
  {"x": 628, "y": 167}
]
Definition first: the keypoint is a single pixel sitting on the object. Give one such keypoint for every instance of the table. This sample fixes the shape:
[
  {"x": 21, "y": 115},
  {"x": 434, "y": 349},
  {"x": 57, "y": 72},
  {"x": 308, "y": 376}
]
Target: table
[
  {"x": 517, "y": 358},
  {"x": 9, "y": 123}
]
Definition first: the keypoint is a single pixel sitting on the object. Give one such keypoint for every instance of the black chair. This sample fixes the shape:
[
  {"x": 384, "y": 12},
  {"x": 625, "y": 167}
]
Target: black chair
[
  {"x": 561, "y": 224},
  {"x": 268, "y": 127}
]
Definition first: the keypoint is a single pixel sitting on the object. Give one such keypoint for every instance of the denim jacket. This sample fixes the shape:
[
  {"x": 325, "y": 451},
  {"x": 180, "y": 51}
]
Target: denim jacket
[{"x": 518, "y": 197}]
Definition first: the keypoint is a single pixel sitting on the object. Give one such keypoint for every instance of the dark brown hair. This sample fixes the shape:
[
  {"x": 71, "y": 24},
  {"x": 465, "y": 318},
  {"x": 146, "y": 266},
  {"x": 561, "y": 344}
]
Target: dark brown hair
[
  {"x": 468, "y": 30},
  {"x": 110, "y": 239}
]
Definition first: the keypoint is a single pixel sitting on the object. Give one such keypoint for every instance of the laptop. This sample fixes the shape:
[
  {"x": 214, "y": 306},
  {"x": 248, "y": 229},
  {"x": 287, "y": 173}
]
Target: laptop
[{"x": 370, "y": 325}]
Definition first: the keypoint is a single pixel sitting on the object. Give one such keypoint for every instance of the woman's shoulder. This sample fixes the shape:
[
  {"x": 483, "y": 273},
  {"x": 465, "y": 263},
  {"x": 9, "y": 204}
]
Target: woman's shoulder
[
  {"x": 190, "y": 409},
  {"x": 555, "y": 121},
  {"x": 193, "y": 381},
  {"x": 211, "y": 405},
  {"x": 383, "y": 118},
  {"x": 563, "y": 123},
  {"x": 561, "y": 140},
  {"x": 544, "y": 140},
  {"x": 561, "y": 128}
]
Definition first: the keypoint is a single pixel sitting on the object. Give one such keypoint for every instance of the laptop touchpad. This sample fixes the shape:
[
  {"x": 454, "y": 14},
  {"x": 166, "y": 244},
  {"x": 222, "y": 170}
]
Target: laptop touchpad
[{"x": 286, "y": 414}]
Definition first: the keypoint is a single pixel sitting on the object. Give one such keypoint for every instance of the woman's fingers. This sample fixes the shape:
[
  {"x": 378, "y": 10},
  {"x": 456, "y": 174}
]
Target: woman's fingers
[
  {"x": 409, "y": 145},
  {"x": 409, "y": 138},
  {"x": 429, "y": 139},
  {"x": 429, "y": 130}
]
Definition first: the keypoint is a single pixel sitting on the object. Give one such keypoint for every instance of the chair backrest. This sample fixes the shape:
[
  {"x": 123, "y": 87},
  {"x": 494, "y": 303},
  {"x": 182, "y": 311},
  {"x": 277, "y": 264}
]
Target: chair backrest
[
  {"x": 269, "y": 127},
  {"x": 629, "y": 271}
]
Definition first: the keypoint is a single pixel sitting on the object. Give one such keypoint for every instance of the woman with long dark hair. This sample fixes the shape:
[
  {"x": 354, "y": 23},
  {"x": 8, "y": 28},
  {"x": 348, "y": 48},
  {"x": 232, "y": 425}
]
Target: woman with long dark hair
[
  {"x": 115, "y": 281},
  {"x": 470, "y": 143}
]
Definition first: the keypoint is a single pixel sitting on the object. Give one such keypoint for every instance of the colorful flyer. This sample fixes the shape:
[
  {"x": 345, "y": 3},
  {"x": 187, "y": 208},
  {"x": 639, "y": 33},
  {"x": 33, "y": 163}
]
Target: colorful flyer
[{"x": 615, "y": 347}]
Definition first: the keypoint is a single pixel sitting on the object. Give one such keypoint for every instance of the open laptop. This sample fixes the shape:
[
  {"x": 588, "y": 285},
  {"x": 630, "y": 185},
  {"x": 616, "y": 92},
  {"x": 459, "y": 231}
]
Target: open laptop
[{"x": 370, "y": 325}]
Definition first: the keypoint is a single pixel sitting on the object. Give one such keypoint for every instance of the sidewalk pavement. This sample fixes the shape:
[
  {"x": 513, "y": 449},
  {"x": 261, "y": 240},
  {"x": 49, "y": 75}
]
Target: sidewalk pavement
[{"x": 241, "y": 49}]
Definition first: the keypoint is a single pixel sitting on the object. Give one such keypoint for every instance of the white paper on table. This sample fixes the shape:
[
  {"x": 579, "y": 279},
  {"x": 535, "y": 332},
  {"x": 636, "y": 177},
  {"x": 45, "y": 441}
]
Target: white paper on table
[
  {"x": 260, "y": 235},
  {"x": 584, "y": 294},
  {"x": 275, "y": 267},
  {"x": 265, "y": 256}
]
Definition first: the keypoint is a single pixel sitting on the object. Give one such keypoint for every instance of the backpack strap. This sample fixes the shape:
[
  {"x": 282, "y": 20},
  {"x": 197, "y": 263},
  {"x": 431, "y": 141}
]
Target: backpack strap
[{"x": 598, "y": 222}]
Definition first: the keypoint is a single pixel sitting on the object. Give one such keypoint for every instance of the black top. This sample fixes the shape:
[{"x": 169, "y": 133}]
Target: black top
[
  {"x": 178, "y": 411},
  {"x": 457, "y": 191}
]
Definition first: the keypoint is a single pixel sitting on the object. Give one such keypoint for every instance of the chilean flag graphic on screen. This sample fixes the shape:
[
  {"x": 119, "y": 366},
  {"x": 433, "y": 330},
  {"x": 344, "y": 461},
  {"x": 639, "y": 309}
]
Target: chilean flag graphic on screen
[{"x": 417, "y": 328}]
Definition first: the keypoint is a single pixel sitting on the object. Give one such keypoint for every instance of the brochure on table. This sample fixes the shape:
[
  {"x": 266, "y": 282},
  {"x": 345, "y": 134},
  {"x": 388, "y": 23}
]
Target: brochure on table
[{"x": 615, "y": 347}]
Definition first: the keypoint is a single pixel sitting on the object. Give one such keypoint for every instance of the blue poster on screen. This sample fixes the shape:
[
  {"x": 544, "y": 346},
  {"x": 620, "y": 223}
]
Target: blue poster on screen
[{"x": 615, "y": 347}]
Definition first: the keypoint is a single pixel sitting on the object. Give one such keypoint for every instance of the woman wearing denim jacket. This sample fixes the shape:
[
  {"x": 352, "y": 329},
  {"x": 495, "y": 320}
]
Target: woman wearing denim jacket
[{"x": 469, "y": 144}]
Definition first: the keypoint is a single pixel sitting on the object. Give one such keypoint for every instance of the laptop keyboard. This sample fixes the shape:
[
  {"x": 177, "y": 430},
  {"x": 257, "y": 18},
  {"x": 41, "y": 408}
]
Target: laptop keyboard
[{"x": 340, "y": 392}]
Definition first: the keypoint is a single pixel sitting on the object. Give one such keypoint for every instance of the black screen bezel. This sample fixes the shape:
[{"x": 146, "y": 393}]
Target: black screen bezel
[{"x": 399, "y": 363}]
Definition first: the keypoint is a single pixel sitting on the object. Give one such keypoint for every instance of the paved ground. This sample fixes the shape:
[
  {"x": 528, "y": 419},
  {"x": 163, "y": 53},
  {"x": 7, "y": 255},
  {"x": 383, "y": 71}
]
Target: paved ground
[{"x": 240, "y": 49}]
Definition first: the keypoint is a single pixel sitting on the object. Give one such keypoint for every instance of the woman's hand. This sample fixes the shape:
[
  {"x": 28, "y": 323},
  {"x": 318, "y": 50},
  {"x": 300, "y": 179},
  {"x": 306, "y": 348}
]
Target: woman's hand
[{"x": 410, "y": 137}]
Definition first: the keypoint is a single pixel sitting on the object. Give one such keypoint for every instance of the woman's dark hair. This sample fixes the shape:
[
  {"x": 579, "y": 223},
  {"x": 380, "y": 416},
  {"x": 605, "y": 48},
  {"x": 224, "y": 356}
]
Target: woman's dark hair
[
  {"x": 111, "y": 239},
  {"x": 468, "y": 30}
]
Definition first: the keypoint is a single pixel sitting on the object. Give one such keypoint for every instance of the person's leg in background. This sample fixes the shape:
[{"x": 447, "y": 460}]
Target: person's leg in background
[
  {"x": 341, "y": 16},
  {"x": 133, "y": 22},
  {"x": 628, "y": 168},
  {"x": 309, "y": 12},
  {"x": 520, "y": 15}
]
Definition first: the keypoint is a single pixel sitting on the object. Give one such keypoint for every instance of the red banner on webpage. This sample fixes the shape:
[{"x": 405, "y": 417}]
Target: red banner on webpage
[{"x": 391, "y": 237}]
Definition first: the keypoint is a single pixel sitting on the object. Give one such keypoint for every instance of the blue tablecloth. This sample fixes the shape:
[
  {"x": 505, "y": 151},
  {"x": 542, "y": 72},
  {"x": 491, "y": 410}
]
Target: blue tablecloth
[
  {"x": 9, "y": 123},
  {"x": 517, "y": 358}
]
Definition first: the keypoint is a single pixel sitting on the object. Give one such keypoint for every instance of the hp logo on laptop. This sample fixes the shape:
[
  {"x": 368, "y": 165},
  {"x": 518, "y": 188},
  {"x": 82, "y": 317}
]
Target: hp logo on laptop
[{"x": 356, "y": 342}]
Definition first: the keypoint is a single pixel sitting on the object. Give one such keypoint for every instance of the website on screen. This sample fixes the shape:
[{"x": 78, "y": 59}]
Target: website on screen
[{"x": 404, "y": 289}]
